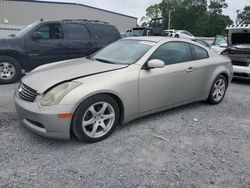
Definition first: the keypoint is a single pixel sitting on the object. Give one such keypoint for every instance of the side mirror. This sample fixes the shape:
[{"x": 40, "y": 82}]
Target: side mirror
[
  {"x": 223, "y": 45},
  {"x": 155, "y": 63},
  {"x": 36, "y": 35}
]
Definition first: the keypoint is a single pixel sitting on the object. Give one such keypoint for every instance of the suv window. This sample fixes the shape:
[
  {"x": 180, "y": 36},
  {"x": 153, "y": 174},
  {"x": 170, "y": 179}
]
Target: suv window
[
  {"x": 199, "y": 53},
  {"x": 173, "y": 52},
  {"x": 51, "y": 31},
  {"x": 106, "y": 31},
  {"x": 78, "y": 31}
]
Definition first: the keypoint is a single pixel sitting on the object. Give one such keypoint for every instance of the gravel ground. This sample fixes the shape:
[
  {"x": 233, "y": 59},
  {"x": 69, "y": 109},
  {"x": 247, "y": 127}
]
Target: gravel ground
[{"x": 169, "y": 149}]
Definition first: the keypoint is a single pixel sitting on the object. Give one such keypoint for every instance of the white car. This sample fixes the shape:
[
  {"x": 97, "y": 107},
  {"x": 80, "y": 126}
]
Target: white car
[{"x": 178, "y": 34}]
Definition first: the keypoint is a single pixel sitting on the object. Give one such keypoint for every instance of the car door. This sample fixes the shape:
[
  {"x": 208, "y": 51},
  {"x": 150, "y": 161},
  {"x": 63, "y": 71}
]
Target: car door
[
  {"x": 219, "y": 44},
  {"x": 79, "y": 39},
  {"x": 50, "y": 47},
  {"x": 203, "y": 70},
  {"x": 171, "y": 85}
]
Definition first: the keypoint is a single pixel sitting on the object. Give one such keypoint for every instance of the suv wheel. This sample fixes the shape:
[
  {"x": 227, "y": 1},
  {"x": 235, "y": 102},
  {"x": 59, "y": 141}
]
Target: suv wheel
[
  {"x": 96, "y": 118},
  {"x": 10, "y": 70}
]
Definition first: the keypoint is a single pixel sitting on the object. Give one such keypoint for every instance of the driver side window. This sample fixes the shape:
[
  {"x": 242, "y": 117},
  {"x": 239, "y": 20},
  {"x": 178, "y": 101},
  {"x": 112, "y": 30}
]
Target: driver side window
[
  {"x": 51, "y": 31},
  {"x": 172, "y": 53}
]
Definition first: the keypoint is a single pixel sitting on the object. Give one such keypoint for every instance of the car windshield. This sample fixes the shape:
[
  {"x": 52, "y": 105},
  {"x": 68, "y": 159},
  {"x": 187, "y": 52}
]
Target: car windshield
[
  {"x": 123, "y": 52},
  {"x": 25, "y": 30}
]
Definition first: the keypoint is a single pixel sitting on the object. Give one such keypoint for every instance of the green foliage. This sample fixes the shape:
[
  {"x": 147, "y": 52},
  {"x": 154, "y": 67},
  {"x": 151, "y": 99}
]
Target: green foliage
[
  {"x": 216, "y": 6},
  {"x": 153, "y": 11},
  {"x": 245, "y": 15},
  {"x": 195, "y": 16}
]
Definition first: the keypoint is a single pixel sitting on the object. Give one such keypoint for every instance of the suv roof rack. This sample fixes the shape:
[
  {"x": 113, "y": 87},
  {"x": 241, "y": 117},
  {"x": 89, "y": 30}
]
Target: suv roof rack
[
  {"x": 85, "y": 20},
  {"x": 239, "y": 26}
]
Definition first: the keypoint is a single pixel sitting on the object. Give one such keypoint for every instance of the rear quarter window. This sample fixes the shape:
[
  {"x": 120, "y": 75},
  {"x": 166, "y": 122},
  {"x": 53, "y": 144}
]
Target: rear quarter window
[
  {"x": 199, "y": 52},
  {"x": 106, "y": 31},
  {"x": 78, "y": 31}
]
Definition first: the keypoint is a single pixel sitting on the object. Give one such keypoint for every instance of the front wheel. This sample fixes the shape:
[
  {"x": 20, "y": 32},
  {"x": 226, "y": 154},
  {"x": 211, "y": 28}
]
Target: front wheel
[
  {"x": 10, "y": 70},
  {"x": 96, "y": 118},
  {"x": 218, "y": 90}
]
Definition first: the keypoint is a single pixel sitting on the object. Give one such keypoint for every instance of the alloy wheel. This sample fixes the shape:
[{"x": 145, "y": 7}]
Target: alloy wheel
[
  {"x": 219, "y": 90},
  {"x": 98, "y": 119},
  {"x": 7, "y": 71}
]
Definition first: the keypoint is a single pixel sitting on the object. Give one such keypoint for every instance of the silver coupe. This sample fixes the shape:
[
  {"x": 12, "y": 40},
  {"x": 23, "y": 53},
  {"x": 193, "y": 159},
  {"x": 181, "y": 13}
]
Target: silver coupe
[{"x": 130, "y": 78}]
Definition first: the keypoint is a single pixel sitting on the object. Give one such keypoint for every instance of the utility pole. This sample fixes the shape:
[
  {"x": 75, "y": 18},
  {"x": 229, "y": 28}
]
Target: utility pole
[{"x": 169, "y": 19}]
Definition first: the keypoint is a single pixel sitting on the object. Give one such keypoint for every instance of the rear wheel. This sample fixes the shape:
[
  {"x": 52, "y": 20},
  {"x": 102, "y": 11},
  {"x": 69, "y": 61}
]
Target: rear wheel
[
  {"x": 96, "y": 118},
  {"x": 10, "y": 70},
  {"x": 218, "y": 90}
]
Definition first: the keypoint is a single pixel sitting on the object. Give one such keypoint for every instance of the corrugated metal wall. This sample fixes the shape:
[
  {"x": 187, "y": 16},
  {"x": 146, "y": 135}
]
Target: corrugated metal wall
[{"x": 22, "y": 13}]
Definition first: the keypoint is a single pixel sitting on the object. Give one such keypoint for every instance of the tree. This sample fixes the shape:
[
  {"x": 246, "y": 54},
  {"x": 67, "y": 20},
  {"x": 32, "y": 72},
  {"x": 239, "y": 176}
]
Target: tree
[
  {"x": 195, "y": 16},
  {"x": 245, "y": 15},
  {"x": 216, "y": 6},
  {"x": 152, "y": 11}
]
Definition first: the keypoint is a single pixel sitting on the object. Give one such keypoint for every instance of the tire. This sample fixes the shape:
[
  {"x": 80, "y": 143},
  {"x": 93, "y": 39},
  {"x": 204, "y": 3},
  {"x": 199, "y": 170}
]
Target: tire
[
  {"x": 176, "y": 36},
  {"x": 10, "y": 70},
  {"x": 91, "y": 123},
  {"x": 218, "y": 90}
]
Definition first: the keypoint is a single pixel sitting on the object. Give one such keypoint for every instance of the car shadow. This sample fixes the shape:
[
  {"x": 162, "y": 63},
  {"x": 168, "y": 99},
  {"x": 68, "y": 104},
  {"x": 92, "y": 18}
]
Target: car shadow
[
  {"x": 163, "y": 113},
  {"x": 241, "y": 81}
]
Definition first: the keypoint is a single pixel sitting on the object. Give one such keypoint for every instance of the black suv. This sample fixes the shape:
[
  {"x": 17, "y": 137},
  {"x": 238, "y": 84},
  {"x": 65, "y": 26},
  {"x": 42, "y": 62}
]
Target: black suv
[{"x": 50, "y": 41}]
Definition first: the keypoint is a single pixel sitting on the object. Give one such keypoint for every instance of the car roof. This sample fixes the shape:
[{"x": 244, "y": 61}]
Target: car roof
[
  {"x": 151, "y": 38},
  {"x": 162, "y": 39},
  {"x": 157, "y": 39}
]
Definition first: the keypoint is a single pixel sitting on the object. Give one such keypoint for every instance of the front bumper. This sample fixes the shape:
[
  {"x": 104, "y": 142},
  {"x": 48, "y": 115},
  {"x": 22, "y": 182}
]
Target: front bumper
[
  {"x": 44, "y": 120},
  {"x": 241, "y": 72}
]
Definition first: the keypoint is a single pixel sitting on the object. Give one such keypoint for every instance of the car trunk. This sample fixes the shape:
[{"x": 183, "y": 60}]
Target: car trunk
[{"x": 239, "y": 47}]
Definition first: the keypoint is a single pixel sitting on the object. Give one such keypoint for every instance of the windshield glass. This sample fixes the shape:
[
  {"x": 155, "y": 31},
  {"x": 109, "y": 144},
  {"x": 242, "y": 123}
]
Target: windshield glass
[
  {"x": 123, "y": 52},
  {"x": 26, "y": 29}
]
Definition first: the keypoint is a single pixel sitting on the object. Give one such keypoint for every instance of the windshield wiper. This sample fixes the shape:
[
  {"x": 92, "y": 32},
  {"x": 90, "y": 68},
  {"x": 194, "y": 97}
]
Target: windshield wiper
[{"x": 104, "y": 60}]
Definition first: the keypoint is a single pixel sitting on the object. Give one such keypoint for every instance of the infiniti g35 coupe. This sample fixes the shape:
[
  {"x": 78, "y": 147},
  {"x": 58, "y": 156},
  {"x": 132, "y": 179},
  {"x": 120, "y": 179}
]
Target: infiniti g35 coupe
[{"x": 130, "y": 78}]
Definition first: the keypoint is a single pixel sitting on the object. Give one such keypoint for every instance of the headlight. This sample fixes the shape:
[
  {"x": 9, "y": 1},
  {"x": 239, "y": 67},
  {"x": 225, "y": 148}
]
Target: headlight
[{"x": 55, "y": 95}]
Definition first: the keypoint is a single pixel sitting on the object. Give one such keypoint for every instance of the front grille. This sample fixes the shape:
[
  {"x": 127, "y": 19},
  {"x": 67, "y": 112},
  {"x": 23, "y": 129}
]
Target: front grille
[
  {"x": 239, "y": 63},
  {"x": 26, "y": 93}
]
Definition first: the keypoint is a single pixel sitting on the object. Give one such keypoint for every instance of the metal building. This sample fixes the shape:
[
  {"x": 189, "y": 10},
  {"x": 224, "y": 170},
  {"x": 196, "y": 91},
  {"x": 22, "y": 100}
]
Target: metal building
[{"x": 15, "y": 14}]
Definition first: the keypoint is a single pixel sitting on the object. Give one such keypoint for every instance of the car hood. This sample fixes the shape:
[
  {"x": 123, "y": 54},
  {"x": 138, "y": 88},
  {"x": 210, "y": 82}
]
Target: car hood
[
  {"x": 46, "y": 76},
  {"x": 12, "y": 43}
]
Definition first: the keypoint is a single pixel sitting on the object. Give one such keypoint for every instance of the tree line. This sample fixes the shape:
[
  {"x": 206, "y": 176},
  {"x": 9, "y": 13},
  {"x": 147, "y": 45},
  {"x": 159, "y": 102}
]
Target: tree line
[{"x": 200, "y": 17}]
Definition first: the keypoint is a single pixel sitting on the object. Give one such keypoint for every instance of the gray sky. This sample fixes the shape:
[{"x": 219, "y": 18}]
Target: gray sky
[{"x": 137, "y": 8}]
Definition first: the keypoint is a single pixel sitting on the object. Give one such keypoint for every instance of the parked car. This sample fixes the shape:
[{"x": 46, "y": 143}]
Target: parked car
[
  {"x": 238, "y": 49},
  {"x": 219, "y": 44},
  {"x": 50, "y": 41},
  {"x": 168, "y": 33},
  {"x": 128, "y": 79},
  {"x": 178, "y": 34}
]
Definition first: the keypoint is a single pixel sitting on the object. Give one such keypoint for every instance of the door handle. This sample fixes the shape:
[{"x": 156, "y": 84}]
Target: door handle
[
  {"x": 60, "y": 44},
  {"x": 191, "y": 69}
]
